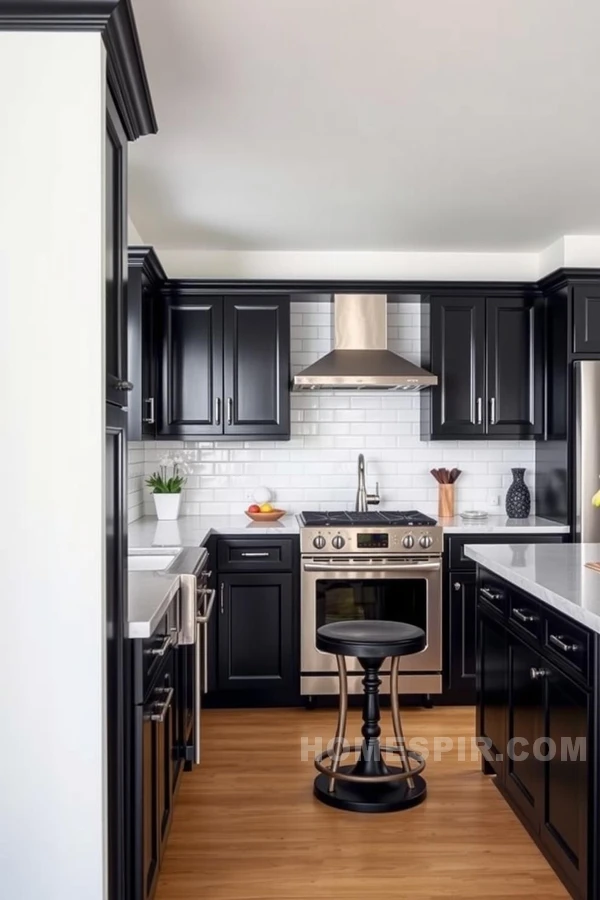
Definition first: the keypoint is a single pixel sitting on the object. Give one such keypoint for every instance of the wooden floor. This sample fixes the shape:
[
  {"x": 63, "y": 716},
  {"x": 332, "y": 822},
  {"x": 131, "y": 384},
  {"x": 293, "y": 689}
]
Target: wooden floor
[{"x": 246, "y": 826}]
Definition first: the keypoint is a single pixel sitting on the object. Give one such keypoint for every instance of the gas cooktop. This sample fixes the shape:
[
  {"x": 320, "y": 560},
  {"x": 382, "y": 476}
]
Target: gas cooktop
[{"x": 386, "y": 518}]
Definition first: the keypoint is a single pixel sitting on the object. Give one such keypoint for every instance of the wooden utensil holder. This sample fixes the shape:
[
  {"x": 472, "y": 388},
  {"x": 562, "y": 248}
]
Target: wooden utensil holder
[{"x": 446, "y": 501}]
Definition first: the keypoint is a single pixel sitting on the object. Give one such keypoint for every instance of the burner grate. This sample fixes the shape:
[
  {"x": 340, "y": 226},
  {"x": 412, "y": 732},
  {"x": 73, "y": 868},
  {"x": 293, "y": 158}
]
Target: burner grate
[{"x": 367, "y": 519}]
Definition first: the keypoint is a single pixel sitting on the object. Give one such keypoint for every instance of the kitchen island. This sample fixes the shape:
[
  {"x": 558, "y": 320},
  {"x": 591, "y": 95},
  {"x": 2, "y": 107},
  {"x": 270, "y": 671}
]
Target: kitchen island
[{"x": 538, "y": 692}]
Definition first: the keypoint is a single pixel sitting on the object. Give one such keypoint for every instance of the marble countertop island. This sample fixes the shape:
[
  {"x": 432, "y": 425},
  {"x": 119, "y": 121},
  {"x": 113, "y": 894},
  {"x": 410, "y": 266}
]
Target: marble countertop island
[{"x": 553, "y": 573}]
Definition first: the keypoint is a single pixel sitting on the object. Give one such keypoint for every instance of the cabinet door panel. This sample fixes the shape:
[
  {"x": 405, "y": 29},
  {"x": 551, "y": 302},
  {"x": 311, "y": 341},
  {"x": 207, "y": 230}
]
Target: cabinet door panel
[
  {"x": 586, "y": 319},
  {"x": 514, "y": 368},
  {"x": 524, "y": 774},
  {"x": 192, "y": 366},
  {"x": 255, "y": 631},
  {"x": 150, "y": 836},
  {"x": 461, "y": 617},
  {"x": 564, "y": 831},
  {"x": 256, "y": 366},
  {"x": 115, "y": 256},
  {"x": 492, "y": 688},
  {"x": 458, "y": 334}
]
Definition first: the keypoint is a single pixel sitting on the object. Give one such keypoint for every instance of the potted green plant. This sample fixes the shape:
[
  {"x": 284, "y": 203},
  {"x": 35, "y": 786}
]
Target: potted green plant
[{"x": 166, "y": 486}]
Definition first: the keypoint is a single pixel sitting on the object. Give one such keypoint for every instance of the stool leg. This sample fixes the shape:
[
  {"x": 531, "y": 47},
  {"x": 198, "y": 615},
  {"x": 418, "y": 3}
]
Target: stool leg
[
  {"x": 340, "y": 732},
  {"x": 396, "y": 718}
]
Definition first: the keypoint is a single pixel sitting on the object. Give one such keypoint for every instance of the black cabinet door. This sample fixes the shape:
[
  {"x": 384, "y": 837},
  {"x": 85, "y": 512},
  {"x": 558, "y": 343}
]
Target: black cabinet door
[
  {"x": 192, "y": 366},
  {"x": 514, "y": 374},
  {"x": 460, "y": 637},
  {"x": 457, "y": 358},
  {"x": 256, "y": 647},
  {"x": 147, "y": 803},
  {"x": 148, "y": 368},
  {"x": 115, "y": 257},
  {"x": 567, "y": 784},
  {"x": 524, "y": 774},
  {"x": 257, "y": 366},
  {"x": 586, "y": 318},
  {"x": 492, "y": 690}
]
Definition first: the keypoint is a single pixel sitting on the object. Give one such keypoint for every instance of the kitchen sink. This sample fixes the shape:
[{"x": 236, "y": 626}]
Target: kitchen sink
[{"x": 153, "y": 559}]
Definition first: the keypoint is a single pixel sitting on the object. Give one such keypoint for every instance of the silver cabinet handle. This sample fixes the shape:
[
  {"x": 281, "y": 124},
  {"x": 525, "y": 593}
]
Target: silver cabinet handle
[
  {"x": 161, "y": 709},
  {"x": 217, "y": 410},
  {"x": 150, "y": 419},
  {"x": 222, "y": 597},
  {"x": 535, "y": 674},
  {"x": 562, "y": 645},
  {"x": 203, "y": 619},
  {"x": 229, "y": 410},
  {"x": 492, "y": 411},
  {"x": 492, "y": 596},
  {"x": 524, "y": 616},
  {"x": 457, "y": 585},
  {"x": 168, "y": 641},
  {"x": 479, "y": 411},
  {"x": 124, "y": 386},
  {"x": 262, "y": 553}
]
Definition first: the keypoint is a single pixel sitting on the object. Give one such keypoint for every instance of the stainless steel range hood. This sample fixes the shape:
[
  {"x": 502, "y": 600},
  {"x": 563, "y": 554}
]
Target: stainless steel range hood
[{"x": 361, "y": 359}]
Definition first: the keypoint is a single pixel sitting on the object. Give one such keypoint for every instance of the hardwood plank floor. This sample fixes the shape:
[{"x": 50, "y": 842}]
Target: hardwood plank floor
[{"x": 246, "y": 826}]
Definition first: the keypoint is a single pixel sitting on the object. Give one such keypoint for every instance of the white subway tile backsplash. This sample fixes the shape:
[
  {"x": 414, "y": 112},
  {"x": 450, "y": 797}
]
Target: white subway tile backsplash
[{"x": 317, "y": 467}]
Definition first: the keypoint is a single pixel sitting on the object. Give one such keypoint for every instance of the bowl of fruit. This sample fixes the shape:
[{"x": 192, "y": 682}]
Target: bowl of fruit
[{"x": 264, "y": 512}]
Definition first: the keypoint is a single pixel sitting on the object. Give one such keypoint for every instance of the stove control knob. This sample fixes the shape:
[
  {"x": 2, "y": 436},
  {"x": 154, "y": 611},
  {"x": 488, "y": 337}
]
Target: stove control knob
[
  {"x": 426, "y": 541},
  {"x": 408, "y": 541},
  {"x": 338, "y": 542},
  {"x": 319, "y": 542}
]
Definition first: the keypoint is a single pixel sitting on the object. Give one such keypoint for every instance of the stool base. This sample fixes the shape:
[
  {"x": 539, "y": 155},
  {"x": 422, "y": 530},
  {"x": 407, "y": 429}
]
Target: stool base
[{"x": 370, "y": 798}]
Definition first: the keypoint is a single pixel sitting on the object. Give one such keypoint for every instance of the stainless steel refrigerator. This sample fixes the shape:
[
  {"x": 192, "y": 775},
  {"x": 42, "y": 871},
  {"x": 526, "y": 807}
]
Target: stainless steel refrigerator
[{"x": 586, "y": 451}]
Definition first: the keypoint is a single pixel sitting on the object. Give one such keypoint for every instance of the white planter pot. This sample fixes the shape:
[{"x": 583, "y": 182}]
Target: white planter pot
[{"x": 167, "y": 505}]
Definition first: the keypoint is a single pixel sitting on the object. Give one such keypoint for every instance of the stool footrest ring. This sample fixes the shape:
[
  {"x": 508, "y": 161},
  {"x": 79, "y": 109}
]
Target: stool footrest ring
[{"x": 373, "y": 779}]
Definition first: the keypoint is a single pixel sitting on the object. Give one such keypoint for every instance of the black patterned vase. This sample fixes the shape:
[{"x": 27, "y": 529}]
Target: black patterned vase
[{"x": 518, "y": 498}]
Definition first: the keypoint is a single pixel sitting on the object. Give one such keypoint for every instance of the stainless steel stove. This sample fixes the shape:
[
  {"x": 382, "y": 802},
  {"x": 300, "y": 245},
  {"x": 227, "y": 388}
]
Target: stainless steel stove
[
  {"x": 370, "y": 533},
  {"x": 371, "y": 565}
]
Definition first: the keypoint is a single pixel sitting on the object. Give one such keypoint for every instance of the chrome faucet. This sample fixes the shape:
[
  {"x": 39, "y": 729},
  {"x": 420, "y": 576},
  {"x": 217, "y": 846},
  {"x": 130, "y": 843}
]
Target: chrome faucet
[{"x": 364, "y": 499}]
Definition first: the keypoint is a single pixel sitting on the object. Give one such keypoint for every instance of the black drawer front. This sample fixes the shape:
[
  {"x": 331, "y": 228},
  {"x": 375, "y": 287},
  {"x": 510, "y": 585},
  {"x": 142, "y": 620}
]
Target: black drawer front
[
  {"x": 569, "y": 643},
  {"x": 526, "y": 615},
  {"x": 455, "y": 555},
  {"x": 150, "y": 653},
  {"x": 493, "y": 593},
  {"x": 254, "y": 556}
]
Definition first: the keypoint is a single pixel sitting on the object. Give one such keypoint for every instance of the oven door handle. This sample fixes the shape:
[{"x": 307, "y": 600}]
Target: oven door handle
[{"x": 390, "y": 567}]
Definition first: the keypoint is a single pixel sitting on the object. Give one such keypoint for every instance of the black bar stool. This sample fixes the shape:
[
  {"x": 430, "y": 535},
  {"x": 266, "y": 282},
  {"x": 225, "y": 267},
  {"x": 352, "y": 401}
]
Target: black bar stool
[{"x": 370, "y": 785}]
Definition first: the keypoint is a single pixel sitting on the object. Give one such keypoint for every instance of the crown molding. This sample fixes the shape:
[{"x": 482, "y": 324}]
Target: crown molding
[
  {"x": 144, "y": 257},
  {"x": 114, "y": 19}
]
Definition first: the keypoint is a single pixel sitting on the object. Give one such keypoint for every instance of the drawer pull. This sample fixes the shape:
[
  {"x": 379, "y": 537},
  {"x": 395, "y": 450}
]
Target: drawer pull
[
  {"x": 255, "y": 553},
  {"x": 557, "y": 641},
  {"x": 537, "y": 674},
  {"x": 160, "y": 709},
  {"x": 524, "y": 616},
  {"x": 168, "y": 641},
  {"x": 490, "y": 595}
]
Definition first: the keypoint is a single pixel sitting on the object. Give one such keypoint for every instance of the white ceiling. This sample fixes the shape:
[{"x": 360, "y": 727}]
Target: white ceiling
[{"x": 369, "y": 124}]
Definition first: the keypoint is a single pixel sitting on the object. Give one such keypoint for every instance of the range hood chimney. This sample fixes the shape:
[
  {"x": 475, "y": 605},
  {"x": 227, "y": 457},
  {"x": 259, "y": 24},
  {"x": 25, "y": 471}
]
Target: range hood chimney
[{"x": 361, "y": 359}]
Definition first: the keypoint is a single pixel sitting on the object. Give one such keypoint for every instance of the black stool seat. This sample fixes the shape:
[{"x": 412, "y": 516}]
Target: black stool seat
[{"x": 370, "y": 639}]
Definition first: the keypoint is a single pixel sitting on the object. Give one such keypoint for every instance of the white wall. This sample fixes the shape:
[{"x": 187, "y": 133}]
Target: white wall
[
  {"x": 52, "y": 759},
  {"x": 316, "y": 469},
  {"x": 133, "y": 236}
]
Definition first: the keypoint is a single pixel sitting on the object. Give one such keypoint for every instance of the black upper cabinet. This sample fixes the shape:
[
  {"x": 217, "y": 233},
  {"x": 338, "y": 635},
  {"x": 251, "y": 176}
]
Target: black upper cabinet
[
  {"x": 586, "y": 318},
  {"x": 192, "y": 366},
  {"x": 115, "y": 254},
  {"x": 225, "y": 366},
  {"x": 514, "y": 374},
  {"x": 486, "y": 352},
  {"x": 146, "y": 277},
  {"x": 457, "y": 358},
  {"x": 256, "y": 366}
]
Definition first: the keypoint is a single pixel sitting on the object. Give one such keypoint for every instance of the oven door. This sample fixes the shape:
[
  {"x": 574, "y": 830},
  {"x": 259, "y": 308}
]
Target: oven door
[{"x": 396, "y": 589}]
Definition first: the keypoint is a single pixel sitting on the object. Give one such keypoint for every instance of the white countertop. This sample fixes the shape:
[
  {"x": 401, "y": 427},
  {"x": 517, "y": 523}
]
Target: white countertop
[
  {"x": 149, "y": 595},
  {"x": 502, "y": 525},
  {"x": 193, "y": 531},
  {"x": 554, "y": 573}
]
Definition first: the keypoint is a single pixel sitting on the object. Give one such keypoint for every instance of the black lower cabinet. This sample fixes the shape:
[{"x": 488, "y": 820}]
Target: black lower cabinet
[
  {"x": 460, "y": 630},
  {"x": 157, "y": 767},
  {"x": 537, "y": 712},
  {"x": 255, "y": 632}
]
